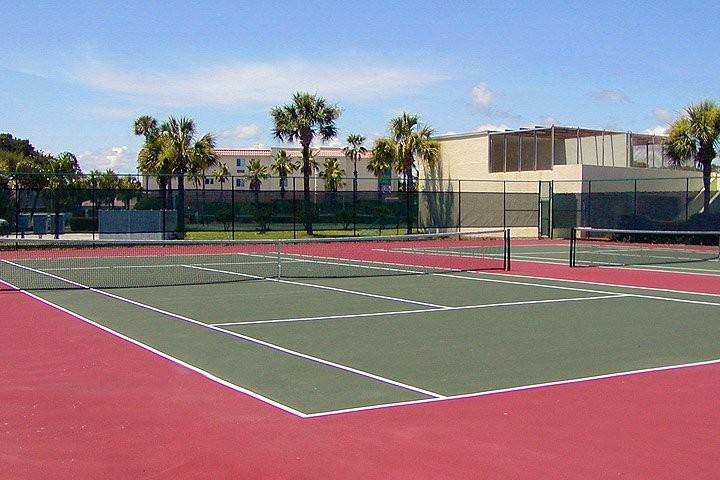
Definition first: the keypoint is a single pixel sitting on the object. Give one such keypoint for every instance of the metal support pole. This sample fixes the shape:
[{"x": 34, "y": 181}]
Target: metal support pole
[
  {"x": 459, "y": 222},
  {"x": 294, "y": 211},
  {"x": 232, "y": 206},
  {"x": 17, "y": 209},
  {"x": 635, "y": 193},
  {"x": 519, "y": 152},
  {"x": 687, "y": 198},
  {"x": 504, "y": 152}
]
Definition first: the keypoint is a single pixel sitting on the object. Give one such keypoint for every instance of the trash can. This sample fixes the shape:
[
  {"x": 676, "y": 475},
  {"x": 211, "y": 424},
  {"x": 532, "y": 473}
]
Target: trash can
[
  {"x": 39, "y": 221},
  {"x": 56, "y": 223}
]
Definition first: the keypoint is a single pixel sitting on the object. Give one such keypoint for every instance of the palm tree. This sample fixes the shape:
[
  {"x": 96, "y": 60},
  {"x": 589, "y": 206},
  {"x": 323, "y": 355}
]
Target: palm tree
[
  {"x": 354, "y": 150},
  {"x": 332, "y": 174},
  {"x": 130, "y": 187},
  {"x": 306, "y": 117},
  {"x": 256, "y": 173},
  {"x": 696, "y": 135},
  {"x": 222, "y": 174},
  {"x": 379, "y": 163},
  {"x": 408, "y": 142},
  {"x": 182, "y": 151},
  {"x": 152, "y": 157},
  {"x": 283, "y": 165}
]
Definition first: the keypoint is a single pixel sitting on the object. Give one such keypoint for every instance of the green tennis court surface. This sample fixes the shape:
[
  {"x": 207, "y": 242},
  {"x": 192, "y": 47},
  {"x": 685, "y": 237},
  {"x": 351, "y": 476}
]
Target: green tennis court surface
[{"x": 316, "y": 345}]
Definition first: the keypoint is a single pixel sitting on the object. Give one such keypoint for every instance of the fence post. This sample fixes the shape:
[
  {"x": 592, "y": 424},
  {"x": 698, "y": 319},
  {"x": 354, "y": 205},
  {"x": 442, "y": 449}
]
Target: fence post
[
  {"x": 294, "y": 211},
  {"x": 232, "y": 206},
  {"x": 96, "y": 226},
  {"x": 589, "y": 206},
  {"x": 17, "y": 208},
  {"x": 355, "y": 192},
  {"x": 459, "y": 222},
  {"x": 635, "y": 194},
  {"x": 687, "y": 198}
]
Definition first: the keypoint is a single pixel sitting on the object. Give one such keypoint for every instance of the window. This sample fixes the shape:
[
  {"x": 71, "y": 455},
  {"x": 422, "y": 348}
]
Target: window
[
  {"x": 209, "y": 181},
  {"x": 240, "y": 164},
  {"x": 240, "y": 182}
]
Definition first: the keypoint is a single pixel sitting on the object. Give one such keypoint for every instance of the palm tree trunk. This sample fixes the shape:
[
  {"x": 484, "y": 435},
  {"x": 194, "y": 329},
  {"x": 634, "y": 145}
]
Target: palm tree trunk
[
  {"x": 307, "y": 208},
  {"x": 283, "y": 179}
]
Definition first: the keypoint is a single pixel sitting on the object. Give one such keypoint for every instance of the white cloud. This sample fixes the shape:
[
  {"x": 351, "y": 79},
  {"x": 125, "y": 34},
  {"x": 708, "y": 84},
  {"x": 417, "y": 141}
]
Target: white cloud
[
  {"x": 227, "y": 84},
  {"x": 657, "y": 130},
  {"x": 118, "y": 158},
  {"x": 240, "y": 132},
  {"x": 491, "y": 126},
  {"x": 482, "y": 95},
  {"x": 662, "y": 114},
  {"x": 610, "y": 96}
]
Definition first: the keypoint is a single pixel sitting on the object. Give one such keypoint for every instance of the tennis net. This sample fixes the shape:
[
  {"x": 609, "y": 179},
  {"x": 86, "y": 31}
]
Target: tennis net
[
  {"x": 616, "y": 247},
  {"x": 69, "y": 264}
]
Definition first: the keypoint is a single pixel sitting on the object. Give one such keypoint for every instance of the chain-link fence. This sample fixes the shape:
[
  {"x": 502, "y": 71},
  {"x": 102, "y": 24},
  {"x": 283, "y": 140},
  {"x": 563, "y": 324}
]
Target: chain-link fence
[{"x": 217, "y": 207}]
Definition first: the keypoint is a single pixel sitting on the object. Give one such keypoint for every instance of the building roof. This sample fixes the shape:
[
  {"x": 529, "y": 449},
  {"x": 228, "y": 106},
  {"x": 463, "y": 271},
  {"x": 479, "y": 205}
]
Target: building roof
[{"x": 560, "y": 132}]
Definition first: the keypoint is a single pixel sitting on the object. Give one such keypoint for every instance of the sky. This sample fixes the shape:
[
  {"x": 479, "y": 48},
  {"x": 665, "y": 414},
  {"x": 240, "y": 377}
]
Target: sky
[{"x": 74, "y": 75}]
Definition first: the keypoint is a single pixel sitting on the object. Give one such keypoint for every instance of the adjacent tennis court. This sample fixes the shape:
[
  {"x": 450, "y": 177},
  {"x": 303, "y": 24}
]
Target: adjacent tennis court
[{"x": 326, "y": 327}]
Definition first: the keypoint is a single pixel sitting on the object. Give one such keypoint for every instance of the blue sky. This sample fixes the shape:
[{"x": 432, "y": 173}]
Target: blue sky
[{"x": 74, "y": 75}]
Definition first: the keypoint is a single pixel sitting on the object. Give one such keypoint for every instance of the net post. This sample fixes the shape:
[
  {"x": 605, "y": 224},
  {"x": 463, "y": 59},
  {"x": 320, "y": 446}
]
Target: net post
[{"x": 571, "y": 261}]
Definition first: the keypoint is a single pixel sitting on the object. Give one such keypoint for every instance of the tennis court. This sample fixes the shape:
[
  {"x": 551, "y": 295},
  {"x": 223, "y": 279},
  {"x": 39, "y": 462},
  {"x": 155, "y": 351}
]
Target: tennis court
[
  {"x": 329, "y": 327},
  {"x": 682, "y": 252}
]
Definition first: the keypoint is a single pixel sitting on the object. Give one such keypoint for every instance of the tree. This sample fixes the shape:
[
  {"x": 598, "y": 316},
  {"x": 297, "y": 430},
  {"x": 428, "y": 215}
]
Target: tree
[
  {"x": 183, "y": 152},
  {"x": 283, "y": 165},
  {"x": 152, "y": 158},
  {"x": 222, "y": 174},
  {"x": 380, "y": 162},
  {"x": 129, "y": 188},
  {"x": 333, "y": 175},
  {"x": 305, "y": 118},
  {"x": 696, "y": 136},
  {"x": 408, "y": 143},
  {"x": 355, "y": 150},
  {"x": 256, "y": 173}
]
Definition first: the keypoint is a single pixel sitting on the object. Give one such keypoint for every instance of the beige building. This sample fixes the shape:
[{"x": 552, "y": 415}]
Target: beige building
[
  {"x": 537, "y": 180},
  {"x": 559, "y": 154}
]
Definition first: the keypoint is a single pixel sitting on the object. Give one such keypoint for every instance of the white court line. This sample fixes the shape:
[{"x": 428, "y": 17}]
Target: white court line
[
  {"x": 322, "y": 287},
  {"x": 514, "y": 389},
  {"x": 654, "y": 268},
  {"x": 425, "y": 310},
  {"x": 166, "y": 265},
  {"x": 477, "y": 276},
  {"x": 247, "y": 338},
  {"x": 164, "y": 355}
]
